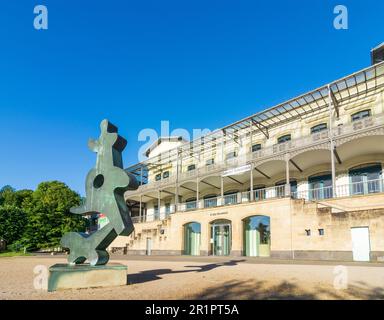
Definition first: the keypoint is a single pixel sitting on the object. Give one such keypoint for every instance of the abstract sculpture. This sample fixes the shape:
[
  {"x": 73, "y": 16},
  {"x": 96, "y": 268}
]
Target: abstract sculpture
[{"x": 105, "y": 188}]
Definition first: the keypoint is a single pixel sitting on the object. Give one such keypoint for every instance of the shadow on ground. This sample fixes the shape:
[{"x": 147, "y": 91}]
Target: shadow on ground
[
  {"x": 285, "y": 290},
  {"x": 153, "y": 275}
]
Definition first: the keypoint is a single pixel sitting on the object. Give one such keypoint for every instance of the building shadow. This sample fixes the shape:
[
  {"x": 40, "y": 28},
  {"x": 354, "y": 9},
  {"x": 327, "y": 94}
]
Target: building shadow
[
  {"x": 285, "y": 290},
  {"x": 153, "y": 275}
]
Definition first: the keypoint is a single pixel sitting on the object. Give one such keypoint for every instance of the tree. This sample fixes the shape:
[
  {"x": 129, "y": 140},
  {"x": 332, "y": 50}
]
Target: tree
[
  {"x": 12, "y": 223},
  {"x": 6, "y": 192},
  {"x": 48, "y": 215}
]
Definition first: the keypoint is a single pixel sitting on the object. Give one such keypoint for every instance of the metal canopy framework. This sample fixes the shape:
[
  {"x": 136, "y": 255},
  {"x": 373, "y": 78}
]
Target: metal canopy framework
[{"x": 355, "y": 85}]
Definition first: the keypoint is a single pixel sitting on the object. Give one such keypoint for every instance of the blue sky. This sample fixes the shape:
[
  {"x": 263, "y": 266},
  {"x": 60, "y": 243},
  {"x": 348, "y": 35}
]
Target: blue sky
[{"x": 197, "y": 64}]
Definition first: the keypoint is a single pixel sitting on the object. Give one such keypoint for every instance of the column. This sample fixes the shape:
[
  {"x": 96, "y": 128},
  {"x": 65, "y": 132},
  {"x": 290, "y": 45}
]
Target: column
[
  {"x": 288, "y": 182},
  {"x": 197, "y": 193},
  {"x": 332, "y": 144},
  {"x": 177, "y": 182},
  {"x": 251, "y": 196},
  {"x": 159, "y": 203},
  {"x": 140, "y": 208},
  {"x": 222, "y": 191}
]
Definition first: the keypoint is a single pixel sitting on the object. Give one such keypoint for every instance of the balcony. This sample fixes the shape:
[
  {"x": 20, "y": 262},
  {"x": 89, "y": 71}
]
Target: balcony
[
  {"x": 317, "y": 138},
  {"x": 276, "y": 192},
  {"x": 233, "y": 199},
  {"x": 346, "y": 190}
]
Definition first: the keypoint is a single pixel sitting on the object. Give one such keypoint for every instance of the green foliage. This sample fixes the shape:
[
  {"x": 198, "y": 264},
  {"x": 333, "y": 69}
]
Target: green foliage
[
  {"x": 12, "y": 223},
  {"x": 38, "y": 219},
  {"x": 48, "y": 215}
]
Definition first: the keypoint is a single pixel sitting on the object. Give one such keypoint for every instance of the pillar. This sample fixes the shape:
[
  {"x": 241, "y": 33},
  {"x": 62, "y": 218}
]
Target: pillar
[
  {"x": 251, "y": 196},
  {"x": 197, "y": 193},
  {"x": 288, "y": 182},
  {"x": 332, "y": 144}
]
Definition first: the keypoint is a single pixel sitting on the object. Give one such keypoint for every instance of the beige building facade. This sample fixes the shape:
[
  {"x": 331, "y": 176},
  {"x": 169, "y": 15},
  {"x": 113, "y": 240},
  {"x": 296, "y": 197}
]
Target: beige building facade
[{"x": 301, "y": 180}]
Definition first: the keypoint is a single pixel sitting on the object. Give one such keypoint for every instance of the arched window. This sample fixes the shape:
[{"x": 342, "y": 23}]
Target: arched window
[
  {"x": 192, "y": 238},
  {"x": 318, "y": 128},
  {"x": 361, "y": 115},
  {"x": 256, "y": 147},
  {"x": 366, "y": 178},
  {"x": 320, "y": 186},
  {"x": 165, "y": 174},
  {"x": 284, "y": 138},
  {"x": 257, "y": 236}
]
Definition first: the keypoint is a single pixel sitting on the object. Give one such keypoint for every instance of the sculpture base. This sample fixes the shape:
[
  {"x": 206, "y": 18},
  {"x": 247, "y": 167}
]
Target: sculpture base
[{"x": 64, "y": 276}]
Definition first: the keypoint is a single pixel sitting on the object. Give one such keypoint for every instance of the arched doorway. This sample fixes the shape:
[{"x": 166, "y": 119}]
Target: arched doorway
[
  {"x": 221, "y": 237},
  {"x": 257, "y": 236},
  {"x": 192, "y": 239}
]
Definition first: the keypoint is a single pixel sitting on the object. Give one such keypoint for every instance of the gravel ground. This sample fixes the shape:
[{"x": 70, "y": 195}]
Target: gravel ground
[{"x": 222, "y": 279}]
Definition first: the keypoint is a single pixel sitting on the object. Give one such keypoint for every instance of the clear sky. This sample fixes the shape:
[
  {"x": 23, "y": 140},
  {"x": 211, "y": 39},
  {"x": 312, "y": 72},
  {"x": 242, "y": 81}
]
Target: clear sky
[{"x": 197, "y": 64}]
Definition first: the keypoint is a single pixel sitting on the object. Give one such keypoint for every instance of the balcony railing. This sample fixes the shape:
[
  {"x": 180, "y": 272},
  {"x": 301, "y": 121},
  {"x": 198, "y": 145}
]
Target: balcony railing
[
  {"x": 346, "y": 190},
  {"x": 232, "y": 199}
]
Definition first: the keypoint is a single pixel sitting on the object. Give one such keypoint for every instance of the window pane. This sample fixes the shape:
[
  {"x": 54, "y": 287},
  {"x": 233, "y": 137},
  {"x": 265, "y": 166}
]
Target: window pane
[
  {"x": 319, "y": 127},
  {"x": 361, "y": 114},
  {"x": 284, "y": 138},
  {"x": 256, "y": 147}
]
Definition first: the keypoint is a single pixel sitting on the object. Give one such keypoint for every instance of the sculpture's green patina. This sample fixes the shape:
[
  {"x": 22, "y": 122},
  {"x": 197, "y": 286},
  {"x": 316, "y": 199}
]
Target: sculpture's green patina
[{"x": 105, "y": 188}]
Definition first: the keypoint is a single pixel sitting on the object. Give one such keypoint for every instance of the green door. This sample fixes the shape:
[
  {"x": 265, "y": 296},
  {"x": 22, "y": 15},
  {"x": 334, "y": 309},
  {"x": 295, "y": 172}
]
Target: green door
[{"x": 221, "y": 239}]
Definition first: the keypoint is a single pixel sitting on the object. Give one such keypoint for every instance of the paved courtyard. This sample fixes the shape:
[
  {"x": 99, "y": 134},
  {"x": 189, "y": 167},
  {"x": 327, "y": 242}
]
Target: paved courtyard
[{"x": 205, "y": 278}]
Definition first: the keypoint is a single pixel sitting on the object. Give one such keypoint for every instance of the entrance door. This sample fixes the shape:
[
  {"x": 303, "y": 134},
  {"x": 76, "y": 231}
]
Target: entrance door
[
  {"x": 221, "y": 239},
  {"x": 360, "y": 244}
]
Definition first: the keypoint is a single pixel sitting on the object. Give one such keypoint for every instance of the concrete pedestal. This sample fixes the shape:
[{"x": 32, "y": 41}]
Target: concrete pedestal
[{"x": 64, "y": 276}]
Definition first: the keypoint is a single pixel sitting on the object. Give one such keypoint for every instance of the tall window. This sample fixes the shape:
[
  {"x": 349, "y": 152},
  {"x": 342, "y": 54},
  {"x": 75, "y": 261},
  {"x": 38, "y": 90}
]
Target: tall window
[
  {"x": 361, "y": 114},
  {"x": 280, "y": 190},
  {"x": 156, "y": 210},
  {"x": 190, "y": 204},
  {"x": 283, "y": 139},
  {"x": 167, "y": 208},
  {"x": 210, "y": 201},
  {"x": 366, "y": 179},
  {"x": 320, "y": 187},
  {"x": 320, "y": 127},
  {"x": 256, "y": 147}
]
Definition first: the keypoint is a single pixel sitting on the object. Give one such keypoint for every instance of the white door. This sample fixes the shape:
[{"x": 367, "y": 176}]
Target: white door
[{"x": 360, "y": 243}]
